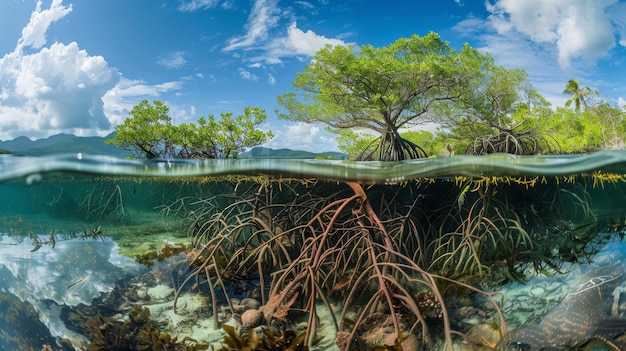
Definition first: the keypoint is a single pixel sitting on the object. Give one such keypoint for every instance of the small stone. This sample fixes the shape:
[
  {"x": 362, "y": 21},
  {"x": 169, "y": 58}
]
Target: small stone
[
  {"x": 250, "y": 303},
  {"x": 409, "y": 342},
  {"x": 142, "y": 292},
  {"x": 251, "y": 318},
  {"x": 238, "y": 308}
]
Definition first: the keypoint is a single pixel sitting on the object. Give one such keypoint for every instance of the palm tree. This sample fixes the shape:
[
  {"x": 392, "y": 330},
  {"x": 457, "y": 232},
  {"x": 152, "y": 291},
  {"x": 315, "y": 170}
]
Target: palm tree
[{"x": 578, "y": 95}]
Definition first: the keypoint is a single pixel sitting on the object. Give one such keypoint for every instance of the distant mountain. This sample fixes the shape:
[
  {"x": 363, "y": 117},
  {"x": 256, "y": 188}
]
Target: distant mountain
[
  {"x": 17, "y": 144},
  {"x": 60, "y": 144},
  {"x": 264, "y": 152},
  {"x": 68, "y": 143}
]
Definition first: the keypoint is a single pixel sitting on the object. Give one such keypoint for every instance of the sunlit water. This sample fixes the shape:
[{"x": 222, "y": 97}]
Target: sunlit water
[{"x": 84, "y": 235}]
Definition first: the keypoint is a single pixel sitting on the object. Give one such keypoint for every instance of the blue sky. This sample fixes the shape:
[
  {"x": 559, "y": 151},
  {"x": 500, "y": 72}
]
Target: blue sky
[{"x": 80, "y": 66}]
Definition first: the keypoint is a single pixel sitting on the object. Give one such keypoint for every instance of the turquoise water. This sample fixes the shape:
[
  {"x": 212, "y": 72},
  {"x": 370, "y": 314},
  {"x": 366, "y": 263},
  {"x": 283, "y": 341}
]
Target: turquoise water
[{"x": 366, "y": 248}]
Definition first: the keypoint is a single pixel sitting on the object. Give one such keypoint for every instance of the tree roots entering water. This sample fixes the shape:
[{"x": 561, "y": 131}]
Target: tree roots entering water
[{"x": 383, "y": 249}]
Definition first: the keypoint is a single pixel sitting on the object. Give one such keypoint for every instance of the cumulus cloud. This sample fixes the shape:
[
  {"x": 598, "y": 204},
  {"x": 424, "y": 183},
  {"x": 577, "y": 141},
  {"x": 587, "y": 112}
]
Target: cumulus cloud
[
  {"x": 271, "y": 40},
  {"x": 120, "y": 99},
  {"x": 49, "y": 89},
  {"x": 298, "y": 43},
  {"x": 578, "y": 28},
  {"x": 34, "y": 34},
  {"x": 56, "y": 89}
]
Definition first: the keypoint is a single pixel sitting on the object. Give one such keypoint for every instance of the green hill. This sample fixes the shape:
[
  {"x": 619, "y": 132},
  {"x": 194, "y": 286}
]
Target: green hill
[
  {"x": 264, "y": 152},
  {"x": 61, "y": 144}
]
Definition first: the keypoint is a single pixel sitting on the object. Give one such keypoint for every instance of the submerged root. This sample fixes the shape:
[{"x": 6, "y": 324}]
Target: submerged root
[{"x": 302, "y": 247}]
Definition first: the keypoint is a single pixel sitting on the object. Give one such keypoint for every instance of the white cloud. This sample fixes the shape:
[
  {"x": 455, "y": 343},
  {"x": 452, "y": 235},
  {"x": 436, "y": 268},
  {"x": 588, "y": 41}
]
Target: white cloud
[
  {"x": 227, "y": 5},
  {"x": 578, "y": 28},
  {"x": 264, "y": 16},
  {"x": 513, "y": 49},
  {"x": 267, "y": 38},
  {"x": 301, "y": 136},
  {"x": 617, "y": 14},
  {"x": 197, "y": 5},
  {"x": 173, "y": 60},
  {"x": 182, "y": 114},
  {"x": 621, "y": 102},
  {"x": 34, "y": 34},
  {"x": 306, "y": 43},
  {"x": 296, "y": 43},
  {"x": 119, "y": 100},
  {"x": 305, "y": 4},
  {"x": 56, "y": 89},
  {"x": 247, "y": 75},
  {"x": 471, "y": 26},
  {"x": 271, "y": 79},
  {"x": 61, "y": 88}
]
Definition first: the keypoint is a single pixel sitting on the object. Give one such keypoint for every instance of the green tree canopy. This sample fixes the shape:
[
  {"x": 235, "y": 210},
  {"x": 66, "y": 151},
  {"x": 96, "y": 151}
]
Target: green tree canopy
[
  {"x": 575, "y": 132},
  {"x": 377, "y": 89},
  {"x": 149, "y": 133},
  {"x": 146, "y": 132},
  {"x": 611, "y": 123},
  {"x": 496, "y": 110}
]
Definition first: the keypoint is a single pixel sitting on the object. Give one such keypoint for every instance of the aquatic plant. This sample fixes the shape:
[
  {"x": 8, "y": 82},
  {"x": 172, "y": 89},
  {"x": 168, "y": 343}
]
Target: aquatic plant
[
  {"x": 270, "y": 340},
  {"x": 475, "y": 234},
  {"x": 492, "y": 229},
  {"x": 134, "y": 333},
  {"x": 166, "y": 251}
]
